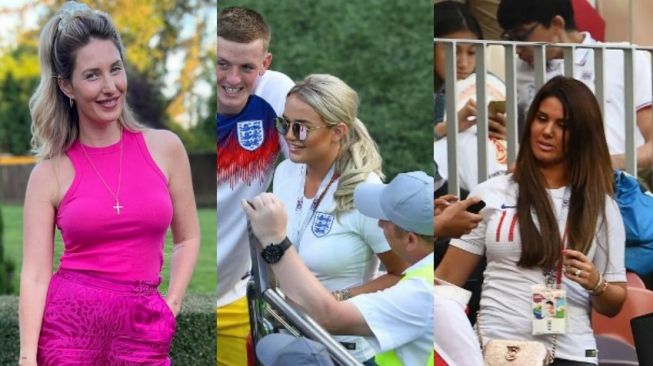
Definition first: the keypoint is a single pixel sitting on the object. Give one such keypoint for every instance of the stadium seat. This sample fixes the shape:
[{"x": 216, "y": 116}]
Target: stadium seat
[
  {"x": 634, "y": 280},
  {"x": 615, "y": 351},
  {"x": 638, "y": 302}
]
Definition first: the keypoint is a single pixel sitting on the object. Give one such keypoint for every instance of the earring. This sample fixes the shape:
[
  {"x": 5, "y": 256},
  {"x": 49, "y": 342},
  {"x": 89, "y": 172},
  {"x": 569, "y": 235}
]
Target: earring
[{"x": 72, "y": 101}]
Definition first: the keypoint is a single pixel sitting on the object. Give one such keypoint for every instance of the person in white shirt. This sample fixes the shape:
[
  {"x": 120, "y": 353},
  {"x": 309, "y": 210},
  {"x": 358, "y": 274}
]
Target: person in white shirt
[
  {"x": 397, "y": 321},
  {"x": 330, "y": 153},
  {"x": 553, "y": 214},
  {"x": 454, "y": 20},
  {"x": 552, "y": 21},
  {"x": 454, "y": 339},
  {"x": 250, "y": 97}
]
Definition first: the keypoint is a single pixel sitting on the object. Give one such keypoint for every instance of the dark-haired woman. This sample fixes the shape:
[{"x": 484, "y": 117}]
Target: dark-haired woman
[
  {"x": 552, "y": 216},
  {"x": 453, "y": 20}
]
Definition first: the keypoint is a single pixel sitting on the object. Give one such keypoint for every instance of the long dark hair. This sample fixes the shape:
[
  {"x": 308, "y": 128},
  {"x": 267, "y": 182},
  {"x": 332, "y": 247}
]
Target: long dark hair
[
  {"x": 514, "y": 13},
  {"x": 450, "y": 17},
  {"x": 589, "y": 174}
]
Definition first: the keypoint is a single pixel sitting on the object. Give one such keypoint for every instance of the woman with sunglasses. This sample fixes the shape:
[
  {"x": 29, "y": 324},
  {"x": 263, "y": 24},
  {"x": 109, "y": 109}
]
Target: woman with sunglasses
[{"x": 330, "y": 153}]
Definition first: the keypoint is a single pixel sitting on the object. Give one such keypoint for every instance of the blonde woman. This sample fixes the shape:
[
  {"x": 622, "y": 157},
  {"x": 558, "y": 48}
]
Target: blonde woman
[
  {"x": 330, "y": 153},
  {"x": 112, "y": 188}
]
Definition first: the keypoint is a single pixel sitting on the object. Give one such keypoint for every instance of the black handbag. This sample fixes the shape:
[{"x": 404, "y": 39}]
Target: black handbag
[{"x": 642, "y": 327}]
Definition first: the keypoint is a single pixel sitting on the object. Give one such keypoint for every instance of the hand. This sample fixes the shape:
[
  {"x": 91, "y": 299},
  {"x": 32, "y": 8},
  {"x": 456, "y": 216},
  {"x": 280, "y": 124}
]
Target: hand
[
  {"x": 174, "y": 305},
  {"x": 497, "y": 126},
  {"x": 27, "y": 361},
  {"x": 580, "y": 269},
  {"x": 268, "y": 218},
  {"x": 439, "y": 204},
  {"x": 467, "y": 115},
  {"x": 454, "y": 221}
]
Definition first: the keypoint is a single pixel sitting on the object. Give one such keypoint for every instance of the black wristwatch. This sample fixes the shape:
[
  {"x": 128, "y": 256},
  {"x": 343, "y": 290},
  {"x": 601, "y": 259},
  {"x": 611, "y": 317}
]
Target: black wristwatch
[{"x": 273, "y": 252}]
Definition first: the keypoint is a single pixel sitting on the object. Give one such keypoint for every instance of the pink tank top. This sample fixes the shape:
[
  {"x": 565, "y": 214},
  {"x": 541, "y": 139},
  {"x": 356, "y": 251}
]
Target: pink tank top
[{"x": 128, "y": 246}]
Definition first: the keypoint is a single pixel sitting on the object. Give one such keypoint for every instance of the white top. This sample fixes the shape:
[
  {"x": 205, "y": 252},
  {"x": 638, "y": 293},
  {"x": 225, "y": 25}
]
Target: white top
[
  {"x": 453, "y": 338},
  {"x": 613, "y": 87},
  {"x": 339, "y": 252},
  {"x": 401, "y": 317},
  {"x": 506, "y": 293},
  {"x": 233, "y": 257},
  {"x": 467, "y": 141}
]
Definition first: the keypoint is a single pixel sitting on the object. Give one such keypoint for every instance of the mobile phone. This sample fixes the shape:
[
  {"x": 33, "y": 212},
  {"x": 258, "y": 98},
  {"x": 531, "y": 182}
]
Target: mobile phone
[
  {"x": 477, "y": 207},
  {"x": 497, "y": 106}
]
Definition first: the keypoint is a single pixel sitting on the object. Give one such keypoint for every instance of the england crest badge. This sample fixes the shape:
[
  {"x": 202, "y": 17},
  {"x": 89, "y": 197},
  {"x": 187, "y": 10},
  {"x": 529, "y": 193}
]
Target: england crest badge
[
  {"x": 251, "y": 134},
  {"x": 322, "y": 224}
]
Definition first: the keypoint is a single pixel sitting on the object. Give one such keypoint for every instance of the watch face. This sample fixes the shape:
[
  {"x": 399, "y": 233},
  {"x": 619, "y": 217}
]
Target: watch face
[{"x": 272, "y": 253}]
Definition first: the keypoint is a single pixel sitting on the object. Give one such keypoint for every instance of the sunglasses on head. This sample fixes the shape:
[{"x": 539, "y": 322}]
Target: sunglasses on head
[{"x": 299, "y": 129}]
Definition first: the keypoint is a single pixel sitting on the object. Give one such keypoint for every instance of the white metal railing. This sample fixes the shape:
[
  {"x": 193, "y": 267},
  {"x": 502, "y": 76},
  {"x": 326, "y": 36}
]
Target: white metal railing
[
  {"x": 262, "y": 292},
  {"x": 539, "y": 50}
]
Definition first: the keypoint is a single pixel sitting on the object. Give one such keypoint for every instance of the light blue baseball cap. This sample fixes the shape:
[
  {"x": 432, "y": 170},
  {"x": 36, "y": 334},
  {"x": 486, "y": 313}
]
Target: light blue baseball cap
[{"x": 407, "y": 201}]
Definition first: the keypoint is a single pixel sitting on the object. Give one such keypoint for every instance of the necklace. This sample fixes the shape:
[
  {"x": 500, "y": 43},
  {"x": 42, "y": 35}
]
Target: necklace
[
  {"x": 331, "y": 177},
  {"x": 116, "y": 195}
]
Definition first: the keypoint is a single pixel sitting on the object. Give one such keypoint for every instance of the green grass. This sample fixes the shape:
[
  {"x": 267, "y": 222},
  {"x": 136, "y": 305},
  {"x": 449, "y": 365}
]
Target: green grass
[{"x": 204, "y": 277}]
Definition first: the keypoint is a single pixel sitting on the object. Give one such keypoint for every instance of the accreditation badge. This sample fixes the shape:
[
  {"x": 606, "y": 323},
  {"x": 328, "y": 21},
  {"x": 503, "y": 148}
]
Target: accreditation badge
[{"x": 549, "y": 307}]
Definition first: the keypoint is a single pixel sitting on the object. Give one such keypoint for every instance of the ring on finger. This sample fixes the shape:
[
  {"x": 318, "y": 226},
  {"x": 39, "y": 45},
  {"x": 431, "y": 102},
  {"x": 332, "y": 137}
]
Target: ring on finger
[{"x": 578, "y": 272}]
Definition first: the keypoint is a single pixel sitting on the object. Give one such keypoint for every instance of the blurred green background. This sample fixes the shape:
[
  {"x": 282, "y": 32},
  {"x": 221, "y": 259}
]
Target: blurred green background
[{"x": 381, "y": 48}]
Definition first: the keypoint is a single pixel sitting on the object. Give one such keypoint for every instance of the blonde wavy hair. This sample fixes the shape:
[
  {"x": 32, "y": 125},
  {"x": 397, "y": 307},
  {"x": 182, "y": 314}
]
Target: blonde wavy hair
[
  {"x": 359, "y": 156},
  {"x": 55, "y": 124}
]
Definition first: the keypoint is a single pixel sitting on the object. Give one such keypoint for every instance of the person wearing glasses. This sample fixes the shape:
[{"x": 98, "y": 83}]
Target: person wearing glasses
[
  {"x": 552, "y": 21},
  {"x": 330, "y": 153},
  {"x": 249, "y": 98}
]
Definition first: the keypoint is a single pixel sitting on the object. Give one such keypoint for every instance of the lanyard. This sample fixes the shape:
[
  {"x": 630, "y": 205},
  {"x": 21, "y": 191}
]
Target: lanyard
[{"x": 331, "y": 177}]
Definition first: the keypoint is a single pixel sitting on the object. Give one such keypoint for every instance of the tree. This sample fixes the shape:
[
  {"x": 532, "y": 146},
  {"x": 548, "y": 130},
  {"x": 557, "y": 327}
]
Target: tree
[
  {"x": 14, "y": 115},
  {"x": 153, "y": 32}
]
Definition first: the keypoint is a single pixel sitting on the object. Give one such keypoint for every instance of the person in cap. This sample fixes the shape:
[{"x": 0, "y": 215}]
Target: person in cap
[
  {"x": 398, "y": 321},
  {"x": 279, "y": 349}
]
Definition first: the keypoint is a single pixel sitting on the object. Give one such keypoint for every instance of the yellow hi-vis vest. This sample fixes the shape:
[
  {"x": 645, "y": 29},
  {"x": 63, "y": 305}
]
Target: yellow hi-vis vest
[{"x": 390, "y": 358}]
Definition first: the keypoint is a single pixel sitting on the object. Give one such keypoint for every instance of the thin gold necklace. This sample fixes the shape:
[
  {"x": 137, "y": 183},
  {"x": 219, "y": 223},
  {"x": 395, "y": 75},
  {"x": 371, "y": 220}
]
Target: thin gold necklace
[{"x": 115, "y": 196}]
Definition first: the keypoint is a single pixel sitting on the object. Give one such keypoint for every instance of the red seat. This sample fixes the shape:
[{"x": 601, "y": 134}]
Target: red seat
[
  {"x": 588, "y": 19},
  {"x": 638, "y": 302},
  {"x": 634, "y": 280}
]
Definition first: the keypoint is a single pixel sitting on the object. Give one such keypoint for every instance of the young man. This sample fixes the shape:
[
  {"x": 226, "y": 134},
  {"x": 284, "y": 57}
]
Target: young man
[
  {"x": 552, "y": 21},
  {"x": 397, "y": 320},
  {"x": 250, "y": 97}
]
